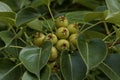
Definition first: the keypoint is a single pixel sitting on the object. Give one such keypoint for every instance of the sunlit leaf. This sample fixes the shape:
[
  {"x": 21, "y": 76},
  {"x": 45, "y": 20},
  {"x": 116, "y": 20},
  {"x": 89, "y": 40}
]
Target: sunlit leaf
[
  {"x": 4, "y": 7},
  {"x": 35, "y": 58},
  {"x": 113, "y": 7},
  {"x": 28, "y": 76}
]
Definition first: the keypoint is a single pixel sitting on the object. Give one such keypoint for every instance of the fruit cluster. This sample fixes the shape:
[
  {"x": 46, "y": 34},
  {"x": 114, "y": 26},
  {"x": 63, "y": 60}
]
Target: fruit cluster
[{"x": 64, "y": 37}]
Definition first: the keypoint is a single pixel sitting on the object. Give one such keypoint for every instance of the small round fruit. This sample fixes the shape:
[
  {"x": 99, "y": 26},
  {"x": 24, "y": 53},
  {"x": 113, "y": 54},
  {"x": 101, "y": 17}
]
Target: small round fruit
[
  {"x": 62, "y": 33},
  {"x": 51, "y": 64},
  {"x": 73, "y": 39},
  {"x": 39, "y": 39},
  {"x": 54, "y": 54},
  {"x": 52, "y": 37},
  {"x": 73, "y": 28},
  {"x": 61, "y": 22},
  {"x": 62, "y": 44}
]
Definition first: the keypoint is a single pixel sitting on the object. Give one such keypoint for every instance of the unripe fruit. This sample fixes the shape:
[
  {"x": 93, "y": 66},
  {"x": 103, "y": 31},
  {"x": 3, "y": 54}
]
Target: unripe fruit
[
  {"x": 52, "y": 37},
  {"x": 39, "y": 39},
  {"x": 73, "y": 39},
  {"x": 62, "y": 33},
  {"x": 51, "y": 64},
  {"x": 73, "y": 28},
  {"x": 54, "y": 54},
  {"x": 62, "y": 44},
  {"x": 61, "y": 22}
]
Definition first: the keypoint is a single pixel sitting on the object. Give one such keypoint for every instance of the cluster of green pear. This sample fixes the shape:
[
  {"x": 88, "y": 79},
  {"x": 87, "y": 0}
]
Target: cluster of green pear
[{"x": 64, "y": 37}]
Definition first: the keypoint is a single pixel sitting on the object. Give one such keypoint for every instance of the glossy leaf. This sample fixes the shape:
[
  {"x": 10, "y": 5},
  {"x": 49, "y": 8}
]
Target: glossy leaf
[
  {"x": 26, "y": 15},
  {"x": 113, "y": 7},
  {"x": 16, "y": 5},
  {"x": 72, "y": 66},
  {"x": 8, "y": 71},
  {"x": 4, "y": 7},
  {"x": 35, "y": 58},
  {"x": 28, "y": 76},
  {"x": 113, "y": 11},
  {"x": 30, "y": 57},
  {"x": 93, "y": 52}
]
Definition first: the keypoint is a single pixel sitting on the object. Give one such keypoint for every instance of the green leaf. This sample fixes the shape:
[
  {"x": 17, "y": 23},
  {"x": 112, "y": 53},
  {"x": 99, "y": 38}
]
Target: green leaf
[
  {"x": 113, "y": 11},
  {"x": 55, "y": 76},
  {"x": 46, "y": 2},
  {"x": 92, "y": 4},
  {"x": 28, "y": 76},
  {"x": 113, "y": 62},
  {"x": 117, "y": 48},
  {"x": 41, "y": 25},
  {"x": 26, "y": 15},
  {"x": 8, "y": 17},
  {"x": 30, "y": 57},
  {"x": 76, "y": 17},
  {"x": 94, "y": 16},
  {"x": 117, "y": 32},
  {"x": 84, "y": 16},
  {"x": 72, "y": 66},
  {"x": 45, "y": 73},
  {"x": 109, "y": 72},
  {"x": 45, "y": 53},
  {"x": 16, "y": 5},
  {"x": 114, "y": 18},
  {"x": 36, "y": 3},
  {"x": 8, "y": 71},
  {"x": 4, "y": 7},
  {"x": 35, "y": 58},
  {"x": 94, "y": 34},
  {"x": 93, "y": 52},
  {"x": 60, "y": 2},
  {"x": 35, "y": 24},
  {"x": 113, "y": 6},
  {"x": 7, "y": 37}
]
